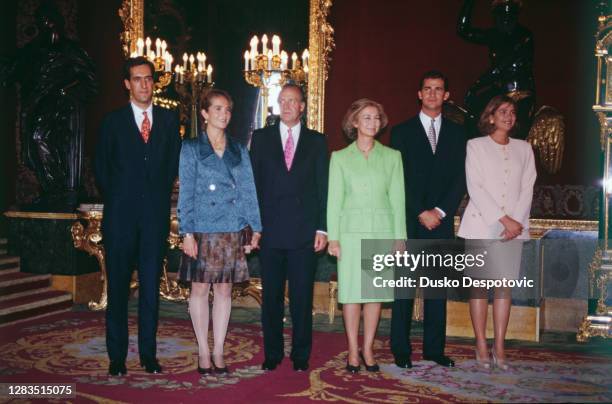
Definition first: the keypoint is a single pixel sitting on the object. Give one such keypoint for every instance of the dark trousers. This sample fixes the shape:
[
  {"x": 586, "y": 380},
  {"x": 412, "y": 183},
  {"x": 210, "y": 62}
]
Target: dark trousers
[
  {"x": 434, "y": 327},
  {"x": 298, "y": 267},
  {"x": 134, "y": 246}
]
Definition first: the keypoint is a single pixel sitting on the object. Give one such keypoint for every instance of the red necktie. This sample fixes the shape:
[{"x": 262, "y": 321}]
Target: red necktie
[{"x": 145, "y": 129}]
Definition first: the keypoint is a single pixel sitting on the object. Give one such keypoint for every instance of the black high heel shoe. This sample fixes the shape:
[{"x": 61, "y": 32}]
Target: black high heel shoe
[
  {"x": 369, "y": 368},
  {"x": 352, "y": 369},
  {"x": 204, "y": 371},
  {"x": 219, "y": 370}
]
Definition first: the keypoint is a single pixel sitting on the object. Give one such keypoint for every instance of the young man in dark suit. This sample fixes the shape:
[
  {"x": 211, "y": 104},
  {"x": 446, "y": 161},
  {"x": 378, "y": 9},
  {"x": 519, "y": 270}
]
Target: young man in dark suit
[
  {"x": 290, "y": 165},
  {"x": 136, "y": 165},
  {"x": 433, "y": 153}
]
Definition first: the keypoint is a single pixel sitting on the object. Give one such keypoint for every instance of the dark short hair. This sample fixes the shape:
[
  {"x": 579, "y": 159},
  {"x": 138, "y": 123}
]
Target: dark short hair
[
  {"x": 299, "y": 88},
  {"x": 484, "y": 125},
  {"x": 137, "y": 61},
  {"x": 207, "y": 96},
  {"x": 353, "y": 112},
  {"x": 434, "y": 74}
]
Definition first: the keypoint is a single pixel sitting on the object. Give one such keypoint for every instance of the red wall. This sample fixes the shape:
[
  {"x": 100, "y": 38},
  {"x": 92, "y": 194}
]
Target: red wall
[{"x": 383, "y": 47}]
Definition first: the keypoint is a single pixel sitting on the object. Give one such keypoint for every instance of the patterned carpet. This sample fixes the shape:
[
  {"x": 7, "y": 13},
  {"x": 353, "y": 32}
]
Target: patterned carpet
[{"x": 70, "y": 348}]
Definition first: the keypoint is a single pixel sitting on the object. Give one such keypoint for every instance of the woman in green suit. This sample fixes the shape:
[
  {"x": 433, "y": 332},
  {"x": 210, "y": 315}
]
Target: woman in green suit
[{"x": 365, "y": 202}]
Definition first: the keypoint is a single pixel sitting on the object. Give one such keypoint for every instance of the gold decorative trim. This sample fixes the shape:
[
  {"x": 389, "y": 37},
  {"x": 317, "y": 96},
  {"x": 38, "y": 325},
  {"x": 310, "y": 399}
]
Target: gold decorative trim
[
  {"x": 537, "y": 227},
  {"x": 40, "y": 215},
  {"x": 132, "y": 17},
  {"x": 320, "y": 44}
]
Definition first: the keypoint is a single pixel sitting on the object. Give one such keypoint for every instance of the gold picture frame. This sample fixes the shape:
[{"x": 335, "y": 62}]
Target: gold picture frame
[{"x": 320, "y": 44}]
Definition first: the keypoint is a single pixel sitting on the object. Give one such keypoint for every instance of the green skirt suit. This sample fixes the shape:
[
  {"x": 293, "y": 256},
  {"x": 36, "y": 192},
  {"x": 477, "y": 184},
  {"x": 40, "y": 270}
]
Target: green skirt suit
[{"x": 366, "y": 201}]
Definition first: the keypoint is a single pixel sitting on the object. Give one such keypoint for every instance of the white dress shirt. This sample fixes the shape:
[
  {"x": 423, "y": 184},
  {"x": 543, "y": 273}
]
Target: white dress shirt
[
  {"x": 139, "y": 116},
  {"x": 426, "y": 122},
  {"x": 500, "y": 181}
]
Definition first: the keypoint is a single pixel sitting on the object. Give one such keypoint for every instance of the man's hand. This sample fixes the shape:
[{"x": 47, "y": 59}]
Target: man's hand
[
  {"x": 320, "y": 242},
  {"x": 190, "y": 247},
  {"x": 334, "y": 249},
  {"x": 430, "y": 219}
]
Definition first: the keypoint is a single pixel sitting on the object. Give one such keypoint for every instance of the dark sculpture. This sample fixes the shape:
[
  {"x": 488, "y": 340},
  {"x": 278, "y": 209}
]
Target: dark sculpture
[
  {"x": 56, "y": 77},
  {"x": 511, "y": 56}
]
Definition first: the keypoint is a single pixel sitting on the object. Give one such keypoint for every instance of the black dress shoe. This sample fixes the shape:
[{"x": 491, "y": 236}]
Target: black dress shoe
[
  {"x": 269, "y": 364},
  {"x": 403, "y": 362},
  {"x": 117, "y": 368},
  {"x": 352, "y": 369},
  {"x": 300, "y": 366},
  {"x": 205, "y": 371},
  {"x": 150, "y": 365},
  {"x": 441, "y": 360},
  {"x": 369, "y": 368}
]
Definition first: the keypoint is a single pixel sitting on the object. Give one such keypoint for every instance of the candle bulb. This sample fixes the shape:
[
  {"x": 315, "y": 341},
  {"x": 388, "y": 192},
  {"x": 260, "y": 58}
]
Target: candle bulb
[
  {"x": 177, "y": 72},
  {"x": 293, "y": 59},
  {"x": 246, "y": 60},
  {"x": 264, "y": 44},
  {"x": 185, "y": 61},
  {"x": 169, "y": 60},
  {"x": 158, "y": 52},
  {"x": 191, "y": 62},
  {"x": 164, "y": 46},
  {"x": 276, "y": 44},
  {"x": 284, "y": 59},
  {"x": 254, "y": 42},
  {"x": 203, "y": 61},
  {"x": 209, "y": 73},
  {"x": 140, "y": 46},
  {"x": 305, "y": 56},
  {"x": 148, "y": 43}
]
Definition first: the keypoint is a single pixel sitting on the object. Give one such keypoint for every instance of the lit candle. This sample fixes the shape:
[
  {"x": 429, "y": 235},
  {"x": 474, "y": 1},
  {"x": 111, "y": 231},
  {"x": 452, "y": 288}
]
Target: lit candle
[
  {"x": 276, "y": 44},
  {"x": 177, "y": 73},
  {"x": 151, "y": 55},
  {"x": 158, "y": 52},
  {"x": 264, "y": 44},
  {"x": 209, "y": 73},
  {"x": 140, "y": 46},
  {"x": 284, "y": 59},
  {"x": 293, "y": 59},
  {"x": 164, "y": 45},
  {"x": 203, "y": 60},
  {"x": 191, "y": 62},
  {"x": 185, "y": 61},
  {"x": 305, "y": 56},
  {"x": 269, "y": 59},
  {"x": 254, "y": 42},
  {"x": 246, "y": 60},
  {"x": 148, "y": 43},
  {"x": 134, "y": 54}
]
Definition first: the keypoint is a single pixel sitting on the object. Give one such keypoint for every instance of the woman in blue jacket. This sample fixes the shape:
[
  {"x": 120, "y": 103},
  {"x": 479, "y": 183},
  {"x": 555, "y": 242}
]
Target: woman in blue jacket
[{"x": 217, "y": 199}]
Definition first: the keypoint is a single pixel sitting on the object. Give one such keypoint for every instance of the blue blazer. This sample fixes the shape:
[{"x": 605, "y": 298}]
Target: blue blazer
[{"x": 216, "y": 195}]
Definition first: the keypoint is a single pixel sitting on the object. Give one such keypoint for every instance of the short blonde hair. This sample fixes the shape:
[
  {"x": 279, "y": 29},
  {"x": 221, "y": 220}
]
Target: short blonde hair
[{"x": 350, "y": 118}]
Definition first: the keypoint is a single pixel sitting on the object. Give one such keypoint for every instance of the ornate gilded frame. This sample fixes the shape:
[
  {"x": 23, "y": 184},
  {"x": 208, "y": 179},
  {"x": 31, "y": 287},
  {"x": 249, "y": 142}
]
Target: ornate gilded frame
[{"x": 320, "y": 43}]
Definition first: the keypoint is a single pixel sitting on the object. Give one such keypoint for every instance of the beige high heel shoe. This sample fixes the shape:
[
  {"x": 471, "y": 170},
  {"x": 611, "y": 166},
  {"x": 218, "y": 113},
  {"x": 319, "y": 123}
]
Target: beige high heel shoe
[{"x": 501, "y": 364}]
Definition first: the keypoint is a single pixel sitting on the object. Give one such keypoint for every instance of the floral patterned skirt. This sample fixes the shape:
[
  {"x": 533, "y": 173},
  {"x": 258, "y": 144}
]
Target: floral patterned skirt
[{"x": 220, "y": 259}]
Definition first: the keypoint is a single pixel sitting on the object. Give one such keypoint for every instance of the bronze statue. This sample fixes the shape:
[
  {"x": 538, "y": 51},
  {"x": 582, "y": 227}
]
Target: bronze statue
[
  {"x": 56, "y": 77},
  {"x": 511, "y": 54}
]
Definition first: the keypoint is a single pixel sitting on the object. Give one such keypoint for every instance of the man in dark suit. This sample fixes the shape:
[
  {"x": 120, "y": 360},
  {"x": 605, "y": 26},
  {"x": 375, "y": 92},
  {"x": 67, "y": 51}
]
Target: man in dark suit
[
  {"x": 433, "y": 153},
  {"x": 136, "y": 165},
  {"x": 290, "y": 165}
]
